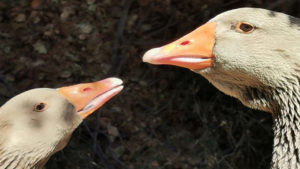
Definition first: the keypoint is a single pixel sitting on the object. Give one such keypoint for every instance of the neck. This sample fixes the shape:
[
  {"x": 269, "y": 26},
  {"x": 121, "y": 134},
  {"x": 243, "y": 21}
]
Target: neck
[
  {"x": 14, "y": 154},
  {"x": 14, "y": 158},
  {"x": 286, "y": 153}
]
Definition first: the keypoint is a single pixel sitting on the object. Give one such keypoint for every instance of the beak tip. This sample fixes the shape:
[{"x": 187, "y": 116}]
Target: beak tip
[
  {"x": 121, "y": 87},
  {"x": 145, "y": 59},
  {"x": 151, "y": 54},
  {"x": 116, "y": 81}
]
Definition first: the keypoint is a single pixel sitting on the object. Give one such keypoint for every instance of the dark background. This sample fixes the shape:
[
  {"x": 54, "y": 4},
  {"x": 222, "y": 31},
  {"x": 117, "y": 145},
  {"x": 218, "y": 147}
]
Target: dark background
[{"x": 166, "y": 117}]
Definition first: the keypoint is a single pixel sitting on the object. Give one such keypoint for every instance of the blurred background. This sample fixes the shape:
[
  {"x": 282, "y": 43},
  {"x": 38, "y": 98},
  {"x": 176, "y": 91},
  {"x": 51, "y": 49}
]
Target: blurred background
[{"x": 166, "y": 117}]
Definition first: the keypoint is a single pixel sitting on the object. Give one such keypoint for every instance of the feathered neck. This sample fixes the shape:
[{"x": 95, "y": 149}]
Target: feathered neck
[
  {"x": 286, "y": 154},
  {"x": 11, "y": 159},
  {"x": 12, "y": 156},
  {"x": 284, "y": 103}
]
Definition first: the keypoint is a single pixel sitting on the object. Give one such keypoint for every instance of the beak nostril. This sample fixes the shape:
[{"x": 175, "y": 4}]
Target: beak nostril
[
  {"x": 185, "y": 42},
  {"x": 86, "y": 89}
]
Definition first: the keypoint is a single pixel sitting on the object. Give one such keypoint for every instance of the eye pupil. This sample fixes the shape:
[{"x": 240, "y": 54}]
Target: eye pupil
[
  {"x": 245, "y": 27},
  {"x": 40, "y": 107}
]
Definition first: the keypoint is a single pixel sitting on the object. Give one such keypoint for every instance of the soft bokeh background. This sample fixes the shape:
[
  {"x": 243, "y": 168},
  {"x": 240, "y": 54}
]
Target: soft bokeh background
[{"x": 166, "y": 117}]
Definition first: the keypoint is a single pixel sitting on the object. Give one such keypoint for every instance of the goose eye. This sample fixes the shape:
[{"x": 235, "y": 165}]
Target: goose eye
[
  {"x": 40, "y": 107},
  {"x": 244, "y": 27}
]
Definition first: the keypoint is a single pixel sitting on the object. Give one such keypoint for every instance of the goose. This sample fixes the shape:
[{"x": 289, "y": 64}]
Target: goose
[
  {"x": 39, "y": 122},
  {"x": 251, "y": 54}
]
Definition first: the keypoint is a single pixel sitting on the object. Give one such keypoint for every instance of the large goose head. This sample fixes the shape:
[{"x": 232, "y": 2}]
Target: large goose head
[
  {"x": 39, "y": 122},
  {"x": 251, "y": 54},
  {"x": 244, "y": 52}
]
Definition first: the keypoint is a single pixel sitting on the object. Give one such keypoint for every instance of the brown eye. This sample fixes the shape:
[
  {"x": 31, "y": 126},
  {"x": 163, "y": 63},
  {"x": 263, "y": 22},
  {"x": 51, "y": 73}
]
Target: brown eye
[
  {"x": 244, "y": 27},
  {"x": 40, "y": 107}
]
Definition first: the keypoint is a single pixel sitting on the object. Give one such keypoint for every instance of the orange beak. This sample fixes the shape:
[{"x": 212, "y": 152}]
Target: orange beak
[
  {"x": 88, "y": 97},
  {"x": 193, "y": 51}
]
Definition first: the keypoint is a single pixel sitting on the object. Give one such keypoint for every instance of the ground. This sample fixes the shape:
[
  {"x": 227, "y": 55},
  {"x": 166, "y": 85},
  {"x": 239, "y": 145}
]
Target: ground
[{"x": 166, "y": 117}]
